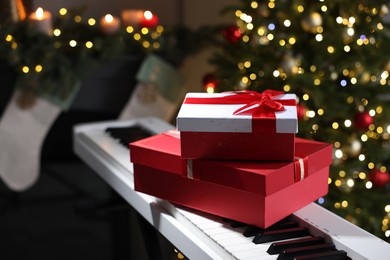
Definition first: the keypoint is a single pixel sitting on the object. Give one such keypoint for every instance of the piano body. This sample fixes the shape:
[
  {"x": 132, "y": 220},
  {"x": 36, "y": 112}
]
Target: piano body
[{"x": 199, "y": 235}]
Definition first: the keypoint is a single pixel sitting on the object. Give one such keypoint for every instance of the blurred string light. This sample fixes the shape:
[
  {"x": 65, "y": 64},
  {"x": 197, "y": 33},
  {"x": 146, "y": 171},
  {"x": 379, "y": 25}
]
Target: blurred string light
[
  {"x": 263, "y": 33},
  {"x": 148, "y": 38}
]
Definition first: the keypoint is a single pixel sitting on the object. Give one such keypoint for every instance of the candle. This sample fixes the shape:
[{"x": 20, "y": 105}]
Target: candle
[
  {"x": 110, "y": 24},
  {"x": 149, "y": 20},
  {"x": 132, "y": 17},
  {"x": 42, "y": 21}
]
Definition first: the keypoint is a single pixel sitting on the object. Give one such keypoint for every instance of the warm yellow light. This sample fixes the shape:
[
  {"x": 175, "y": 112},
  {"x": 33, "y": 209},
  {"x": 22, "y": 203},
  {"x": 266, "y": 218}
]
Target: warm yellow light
[
  {"x": 109, "y": 18},
  {"x": 270, "y": 36},
  {"x": 148, "y": 15},
  {"x": 25, "y": 69},
  {"x": 91, "y": 21},
  {"x": 247, "y": 64},
  {"x": 39, "y": 13},
  {"x": 129, "y": 29},
  {"x": 310, "y": 113},
  {"x": 38, "y": 68},
  {"x": 137, "y": 36},
  {"x": 364, "y": 138},
  {"x": 77, "y": 18},
  {"x": 261, "y": 31},
  {"x": 320, "y": 111},
  {"x": 337, "y": 205},
  {"x": 362, "y": 175},
  {"x": 330, "y": 49},
  {"x": 72, "y": 43},
  {"x": 342, "y": 174},
  {"x": 63, "y": 11},
  {"x": 159, "y": 28},
  {"x": 146, "y": 44},
  {"x": 305, "y": 97},
  {"x": 347, "y": 123},
  {"x": 350, "y": 183},
  {"x": 319, "y": 37},
  {"x": 89, "y": 44},
  {"x": 344, "y": 204},
  {"x": 254, "y": 4},
  {"x": 287, "y": 88},
  {"x": 57, "y": 32},
  {"x": 144, "y": 31},
  {"x": 245, "y": 38},
  {"x": 8, "y": 38},
  {"x": 292, "y": 40},
  {"x": 335, "y": 125},
  {"x": 338, "y": 154},
  {"x": 300, "y": 8}
]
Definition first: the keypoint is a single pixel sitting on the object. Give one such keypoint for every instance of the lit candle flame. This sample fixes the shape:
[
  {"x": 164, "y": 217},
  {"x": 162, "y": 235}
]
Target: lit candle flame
[
  {"x": 109, "y": 18},
  {"x": 39, "y": 13},
  {"x": 148, "y": 15}
]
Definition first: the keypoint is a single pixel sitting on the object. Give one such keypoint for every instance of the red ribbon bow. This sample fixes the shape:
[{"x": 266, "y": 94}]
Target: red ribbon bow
[
  {"x": 260, "y": 103},
  {"x": 256, "y": 104}
]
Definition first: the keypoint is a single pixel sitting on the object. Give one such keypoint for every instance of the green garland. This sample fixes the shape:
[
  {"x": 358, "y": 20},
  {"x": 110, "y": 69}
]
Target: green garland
[{"x": 53, "y": 66}]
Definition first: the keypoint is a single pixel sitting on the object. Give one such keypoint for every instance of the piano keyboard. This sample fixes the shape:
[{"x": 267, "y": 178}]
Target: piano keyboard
[{"x": 203, "y": 236}]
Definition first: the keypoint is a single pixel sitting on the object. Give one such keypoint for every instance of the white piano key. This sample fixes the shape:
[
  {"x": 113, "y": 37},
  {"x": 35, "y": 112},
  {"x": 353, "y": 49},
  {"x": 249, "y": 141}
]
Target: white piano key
[{"x": 222, "y": 241}]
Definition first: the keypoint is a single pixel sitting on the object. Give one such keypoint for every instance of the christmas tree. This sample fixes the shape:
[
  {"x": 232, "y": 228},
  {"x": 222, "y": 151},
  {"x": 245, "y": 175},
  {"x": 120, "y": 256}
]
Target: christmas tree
[{"x": 333, "y": 55}]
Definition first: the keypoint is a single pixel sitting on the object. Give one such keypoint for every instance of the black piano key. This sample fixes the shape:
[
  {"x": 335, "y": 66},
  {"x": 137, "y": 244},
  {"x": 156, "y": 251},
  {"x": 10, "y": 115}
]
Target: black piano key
[
  {"x": 331, "y": 255},
  {"x": 126, "y": 135},
  {"x": 274, "y": 235},
  {"x": 253, "y": 231},
  {"x": 236, "y": 224},
  {"x": 278, "y": 247},
  {"x": 291, "y": 253}
]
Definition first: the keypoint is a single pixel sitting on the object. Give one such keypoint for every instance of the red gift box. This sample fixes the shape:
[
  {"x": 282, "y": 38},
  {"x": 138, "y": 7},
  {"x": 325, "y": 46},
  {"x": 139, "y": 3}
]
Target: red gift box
[
  {"x": 243, "y": 125},
  {"x": 258, "y": 193}
]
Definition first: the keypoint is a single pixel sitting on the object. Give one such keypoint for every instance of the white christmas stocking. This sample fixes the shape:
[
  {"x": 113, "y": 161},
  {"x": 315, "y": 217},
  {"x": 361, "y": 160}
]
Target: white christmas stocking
[
  {"x": 159, "y": 89},
  {"x": 22, "y": 132}
]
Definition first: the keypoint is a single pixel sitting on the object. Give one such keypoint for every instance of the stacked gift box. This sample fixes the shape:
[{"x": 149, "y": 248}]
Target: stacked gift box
[{"x": 234, "y": 155}]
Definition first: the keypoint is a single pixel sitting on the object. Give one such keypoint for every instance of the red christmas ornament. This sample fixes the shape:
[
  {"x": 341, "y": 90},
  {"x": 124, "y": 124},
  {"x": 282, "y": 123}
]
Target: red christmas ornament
[
  {"x": 363, "y": 120},
  {"x": 210, "y": 82},
  {"x": 379, "y": 178},
  {"x": 301, "y": 110},
  {"x": 232, "y": 34},
  {"x": 149, "y": 20}
]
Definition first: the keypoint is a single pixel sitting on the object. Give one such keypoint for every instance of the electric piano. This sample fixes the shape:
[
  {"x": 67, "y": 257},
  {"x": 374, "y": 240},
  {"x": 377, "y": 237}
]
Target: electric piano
[{"x": 203, "y": 236}]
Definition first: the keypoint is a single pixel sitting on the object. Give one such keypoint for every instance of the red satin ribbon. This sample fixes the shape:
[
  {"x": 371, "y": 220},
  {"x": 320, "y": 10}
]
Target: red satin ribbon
[{"x": 256, "y": 104}]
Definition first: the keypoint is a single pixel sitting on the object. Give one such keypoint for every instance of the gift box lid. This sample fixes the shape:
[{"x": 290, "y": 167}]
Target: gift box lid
[
  {"x": 162, "y": 152},
  {"x": 242, "y": 111}
]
